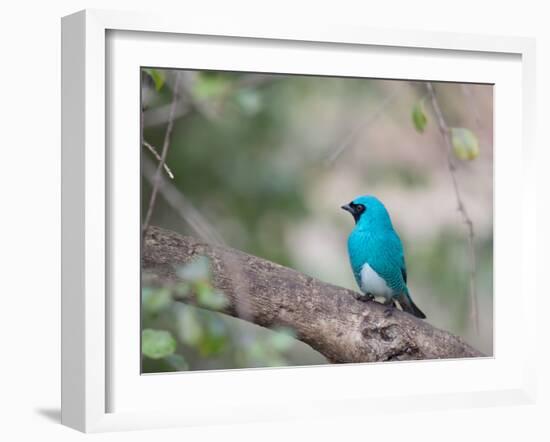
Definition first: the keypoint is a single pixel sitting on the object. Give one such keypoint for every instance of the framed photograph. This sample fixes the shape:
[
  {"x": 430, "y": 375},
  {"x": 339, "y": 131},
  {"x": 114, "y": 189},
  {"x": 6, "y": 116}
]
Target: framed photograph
[{"x": 263, "y": 222}]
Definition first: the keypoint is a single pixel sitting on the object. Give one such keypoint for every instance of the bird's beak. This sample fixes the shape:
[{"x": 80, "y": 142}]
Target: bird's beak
[{"x": 348, "y": 208}]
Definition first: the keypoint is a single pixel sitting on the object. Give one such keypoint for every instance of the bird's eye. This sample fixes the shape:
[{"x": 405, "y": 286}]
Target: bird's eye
[{"x": 360, "y": 208}]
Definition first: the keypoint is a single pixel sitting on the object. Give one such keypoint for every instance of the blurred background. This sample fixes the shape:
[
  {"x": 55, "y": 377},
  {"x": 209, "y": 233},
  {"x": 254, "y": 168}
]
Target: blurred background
[{"x": 265, "y": 162}]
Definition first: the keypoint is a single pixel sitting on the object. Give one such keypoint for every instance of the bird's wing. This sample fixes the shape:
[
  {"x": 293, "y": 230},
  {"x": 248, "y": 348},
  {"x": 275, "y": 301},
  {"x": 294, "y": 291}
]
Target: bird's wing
[
  {"x": 388, "y": 261},
  {"x": 384, "y": 253},
  {"x": 397, "y": 247}
]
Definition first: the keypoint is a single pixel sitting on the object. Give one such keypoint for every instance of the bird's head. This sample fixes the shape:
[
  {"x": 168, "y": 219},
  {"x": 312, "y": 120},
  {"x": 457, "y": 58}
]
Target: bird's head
[{"x": 368, "y": 211}]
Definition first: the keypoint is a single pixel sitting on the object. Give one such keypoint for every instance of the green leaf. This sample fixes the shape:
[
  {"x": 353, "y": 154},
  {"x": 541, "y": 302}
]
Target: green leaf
[
  {"x": 157, "y": 344},
  {"x": 211, "y": 299},
  {"x": 196, "y": 270},
  {"x": 157, "y": 76},
  {"x": 419, "y": 116},
  {"x": 215, "y": 337},
  {"x": 465, "y": 143},
  {"x": 189, "y": 326},
  {"x": 155, "y": 301}
]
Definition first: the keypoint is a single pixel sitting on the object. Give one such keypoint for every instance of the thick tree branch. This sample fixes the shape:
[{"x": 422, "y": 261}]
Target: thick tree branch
[{"x": 326, "y": 317}]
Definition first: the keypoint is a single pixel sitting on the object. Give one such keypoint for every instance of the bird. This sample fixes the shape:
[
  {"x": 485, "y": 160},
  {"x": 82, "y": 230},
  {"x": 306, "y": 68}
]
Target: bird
[{"x": 376, "y": 256}]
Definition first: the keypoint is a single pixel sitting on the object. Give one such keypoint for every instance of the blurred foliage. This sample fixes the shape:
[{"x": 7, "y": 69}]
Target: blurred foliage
[
  {"x": 157, "y": 344},
  {"x": 450, "y": 251},
  {"x": 249, "y": 150},
  {"x": 464, "y": 141},
  {"x": 157, "y": 76},
  {"x": 177, "y": 336},
  {"x": 228, "y": 183}
]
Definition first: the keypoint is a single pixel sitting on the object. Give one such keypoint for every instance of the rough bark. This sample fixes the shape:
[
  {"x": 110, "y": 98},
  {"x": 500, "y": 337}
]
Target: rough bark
[{"x": 326, "y": 317}]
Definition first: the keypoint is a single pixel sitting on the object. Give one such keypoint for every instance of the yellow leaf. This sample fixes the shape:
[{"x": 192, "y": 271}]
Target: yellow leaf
[{"x": 465, "y": 143}]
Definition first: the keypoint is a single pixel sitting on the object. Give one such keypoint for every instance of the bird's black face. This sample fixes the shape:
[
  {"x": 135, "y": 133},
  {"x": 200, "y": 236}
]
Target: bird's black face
[{"x": 355, "y": 209}]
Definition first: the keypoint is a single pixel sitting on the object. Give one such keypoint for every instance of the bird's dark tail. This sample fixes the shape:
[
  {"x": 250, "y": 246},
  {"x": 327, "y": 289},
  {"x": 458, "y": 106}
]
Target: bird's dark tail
[{"x": 409, "y": 306}]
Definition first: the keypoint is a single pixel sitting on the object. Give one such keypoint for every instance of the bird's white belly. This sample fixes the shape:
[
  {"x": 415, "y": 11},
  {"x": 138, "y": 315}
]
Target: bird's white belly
[{"x": 373, "y": 283}]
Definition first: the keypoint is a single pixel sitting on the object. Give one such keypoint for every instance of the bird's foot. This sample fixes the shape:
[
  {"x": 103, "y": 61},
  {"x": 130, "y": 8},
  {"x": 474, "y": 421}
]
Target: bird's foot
[
  {"x": 364, "y": 297},
  {"x": 390, "y": 304}
]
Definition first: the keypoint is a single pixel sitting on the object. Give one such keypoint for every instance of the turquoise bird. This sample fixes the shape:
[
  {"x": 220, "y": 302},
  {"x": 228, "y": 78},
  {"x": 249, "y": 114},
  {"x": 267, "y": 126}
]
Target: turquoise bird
[{"x": 376, "y": 255}]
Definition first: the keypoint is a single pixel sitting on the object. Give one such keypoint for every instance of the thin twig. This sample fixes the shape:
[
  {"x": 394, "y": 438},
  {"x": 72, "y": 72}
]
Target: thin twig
[
  {"x": 183, "y": 93},
  {"x": 205, "y": 231},
  {"x": 160, "y": 115},
  {"x": 164, "y": 153},
  {"x": 182, "y": 206},
  {"x": 362, "y": 125},
  {"x": 446, "y": 134},
  {"x": 157, "y": 156}
]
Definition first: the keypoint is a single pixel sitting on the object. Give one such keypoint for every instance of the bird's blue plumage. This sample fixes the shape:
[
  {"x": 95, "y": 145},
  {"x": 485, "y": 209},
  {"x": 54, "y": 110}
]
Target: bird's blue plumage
[{"x": 374, "y": 241}]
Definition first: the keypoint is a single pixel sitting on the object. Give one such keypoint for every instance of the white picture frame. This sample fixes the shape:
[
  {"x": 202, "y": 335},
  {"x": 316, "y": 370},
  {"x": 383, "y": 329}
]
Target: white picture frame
[{"x": 93, "y": 238}]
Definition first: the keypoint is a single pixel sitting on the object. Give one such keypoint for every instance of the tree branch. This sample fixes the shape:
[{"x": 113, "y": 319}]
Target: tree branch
[
  {"x": 163, "y": 155},
  {"x": 153, "y": 151},
  {"x": 326, "y": 317}
]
